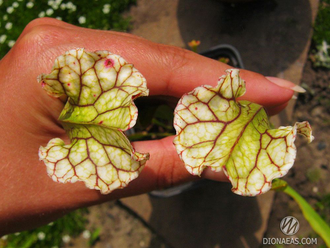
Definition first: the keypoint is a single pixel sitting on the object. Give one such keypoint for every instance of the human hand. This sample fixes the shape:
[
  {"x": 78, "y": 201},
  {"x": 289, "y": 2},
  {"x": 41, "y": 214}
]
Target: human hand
[{"x": 28, "y": 117}]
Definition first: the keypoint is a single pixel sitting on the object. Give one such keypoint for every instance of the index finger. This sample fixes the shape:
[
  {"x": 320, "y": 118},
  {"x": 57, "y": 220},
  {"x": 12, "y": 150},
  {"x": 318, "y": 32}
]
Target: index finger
[{"x": 169, "y": 70}]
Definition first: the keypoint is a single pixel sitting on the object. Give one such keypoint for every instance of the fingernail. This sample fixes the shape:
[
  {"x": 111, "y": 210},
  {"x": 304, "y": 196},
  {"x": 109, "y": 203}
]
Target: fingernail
[
  {"x": 298, "y": 89},
  {"x": 286, "y": 84}
]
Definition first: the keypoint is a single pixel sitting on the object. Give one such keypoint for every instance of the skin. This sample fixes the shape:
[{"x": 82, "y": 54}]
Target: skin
[{"x": 28, "y": 117}]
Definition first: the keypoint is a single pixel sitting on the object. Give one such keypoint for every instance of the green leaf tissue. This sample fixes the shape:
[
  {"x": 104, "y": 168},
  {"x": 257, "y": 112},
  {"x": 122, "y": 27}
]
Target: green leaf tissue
[
  {"x": 216, "y": 130},
  {"x": 100, "y": 88}
]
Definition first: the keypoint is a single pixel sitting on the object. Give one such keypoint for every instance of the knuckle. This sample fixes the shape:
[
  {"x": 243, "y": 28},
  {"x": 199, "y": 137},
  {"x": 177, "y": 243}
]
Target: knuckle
[
  {"x": 40, "y": 22},
  {"x": 40, "y": 39},
  {"x": 38, "y": 34}
]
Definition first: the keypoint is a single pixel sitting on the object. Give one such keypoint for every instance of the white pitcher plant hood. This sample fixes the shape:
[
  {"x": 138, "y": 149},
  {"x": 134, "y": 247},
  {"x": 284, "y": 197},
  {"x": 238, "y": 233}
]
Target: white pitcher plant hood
[
  {"x": 100, "y": 87},
  {"x": 216, "y": 130}
]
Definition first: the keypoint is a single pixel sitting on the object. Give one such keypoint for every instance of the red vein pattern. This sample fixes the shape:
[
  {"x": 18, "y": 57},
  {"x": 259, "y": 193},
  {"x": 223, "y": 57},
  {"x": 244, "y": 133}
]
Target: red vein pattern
[
  {"x": 217, "y": 131},
  {"x": 100, "y": 87}
]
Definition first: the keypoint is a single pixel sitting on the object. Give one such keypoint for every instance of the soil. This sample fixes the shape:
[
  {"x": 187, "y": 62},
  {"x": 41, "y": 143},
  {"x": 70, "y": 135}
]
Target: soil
[
  {"x": 311, "y": 173},
  {"x": 119, "y": 227}
]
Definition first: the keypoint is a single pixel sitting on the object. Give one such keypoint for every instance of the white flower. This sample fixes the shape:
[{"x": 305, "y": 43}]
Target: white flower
[
  {"x": 106, "y": 11},
  {"x": 53, "y": 4},
  {"x": 41, "y": 235},
  {"x": 10, "y": 9},
  {"x": 3, "y": 38},
  {"x": 6, "y": 236},
  {"x": 58, "y": 2},
  {"x": 106, "y": 8},
  {"x": 42, "y": 14},
  {"x": 49, "y": 12},
  {"x": 15, "y": 4},
  {"x": 86, "y": 234},
  {"x": 59, "y": 18},
  {"x": 66, "y": 238},
  {"x": 11, "y": 43},
  {"x": 63, "y": 6},
  {"x": 1, "y": 2},
  {"x": 325, "y": 46},
  {"x": 5, "y": 17},
  {"x": 8, "y": 25},
  {"x": 82, "y": 19},
  {"x": 71, "y": 6},
  {"x": 29, "y": 5}
]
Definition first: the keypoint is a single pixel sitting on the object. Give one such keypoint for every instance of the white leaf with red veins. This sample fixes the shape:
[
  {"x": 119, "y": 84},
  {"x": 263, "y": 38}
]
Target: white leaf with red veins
[
  {"x": 100, "y": 87},
  {"x": 216, "y": 130}
]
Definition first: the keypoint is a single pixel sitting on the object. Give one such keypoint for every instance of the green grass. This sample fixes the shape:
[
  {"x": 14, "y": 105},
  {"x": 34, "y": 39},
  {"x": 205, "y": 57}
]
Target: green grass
[
  {"x": 96, "y": 14},
  {"x": 322, "y": 23},
  {"x": 51, "y": 235},
  {"x": 321, "y": 36}
]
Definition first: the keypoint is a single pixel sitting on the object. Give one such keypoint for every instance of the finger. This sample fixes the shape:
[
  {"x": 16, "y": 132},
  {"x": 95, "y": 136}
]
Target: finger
[
  {"x": 264, "y": 92},
  {"x": 169, "y": 70},
  {"x": 275, "y": 109},
  {"x": 164, "y": 169}
]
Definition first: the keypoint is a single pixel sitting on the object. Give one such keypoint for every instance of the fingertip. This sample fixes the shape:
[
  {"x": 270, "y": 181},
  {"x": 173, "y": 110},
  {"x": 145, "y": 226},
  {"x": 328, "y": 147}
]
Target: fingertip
[
  {"x": 286, "y": 84},
  {"x": 265, "y": 92},
  {"x": 277, "y": 109}
]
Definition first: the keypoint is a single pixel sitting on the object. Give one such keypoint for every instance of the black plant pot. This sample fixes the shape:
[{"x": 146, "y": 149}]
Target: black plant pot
[{"x": 225, "y": 52}]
